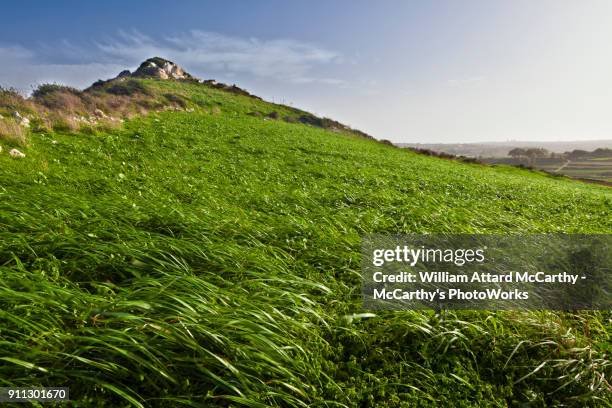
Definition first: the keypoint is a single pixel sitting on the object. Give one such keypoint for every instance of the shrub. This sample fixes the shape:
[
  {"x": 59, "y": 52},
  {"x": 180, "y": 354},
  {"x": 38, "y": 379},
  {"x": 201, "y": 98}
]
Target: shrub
[
  {"x": 176, "y": 99},
  {"x": 49, "y": 89},
  {"x": 11, "y": 100},
  {"x": 433, "y": 153},
  {"x": 62, "y": 101},
  {"x": 131, "y": 87},
  {"x": 107, "y": 125},
  {"x": 10, "y": 94},
  {"x": 311, "y": 120},
  {"x": 99, "y": 83},
  {"x": 471, "y": 160},
  {"x": 112, "y": 103},
  {"x": 149, "y": 104},
  {"x": 87, "y": 129},
  {"x": 523, "y": 166},
  {"x": 12, "y": 133},
  {"x": 64, "y": 124},
  {"x": 40, "y": 125}
]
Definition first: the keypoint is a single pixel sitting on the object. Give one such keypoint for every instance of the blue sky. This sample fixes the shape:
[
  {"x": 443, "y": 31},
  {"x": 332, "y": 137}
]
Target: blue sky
[{"x": 413, "y": 71}]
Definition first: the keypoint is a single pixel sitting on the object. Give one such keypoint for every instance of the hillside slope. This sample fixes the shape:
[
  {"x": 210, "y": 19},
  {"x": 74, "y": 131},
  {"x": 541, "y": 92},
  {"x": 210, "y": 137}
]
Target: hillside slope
[{"x": 210, "y": 256}]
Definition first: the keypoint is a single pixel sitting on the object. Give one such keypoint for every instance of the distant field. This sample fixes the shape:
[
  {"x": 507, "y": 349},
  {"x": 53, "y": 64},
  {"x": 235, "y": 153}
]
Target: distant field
[
  {"x": 501, "y": 149},
  {"x": 592, "y": 168}
]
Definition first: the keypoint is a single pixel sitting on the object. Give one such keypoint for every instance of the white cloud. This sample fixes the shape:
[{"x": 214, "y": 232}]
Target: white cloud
[
  {"x": 22, "y": 70},
  {"x": 205, "y": 54},
  {"x": 286, "y": 60},
  {"x": 14, "y": 52}
]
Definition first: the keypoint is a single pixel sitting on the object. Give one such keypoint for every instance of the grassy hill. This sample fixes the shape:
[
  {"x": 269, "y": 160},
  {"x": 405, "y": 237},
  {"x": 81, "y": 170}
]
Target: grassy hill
[{"x": 211, "y": 256}]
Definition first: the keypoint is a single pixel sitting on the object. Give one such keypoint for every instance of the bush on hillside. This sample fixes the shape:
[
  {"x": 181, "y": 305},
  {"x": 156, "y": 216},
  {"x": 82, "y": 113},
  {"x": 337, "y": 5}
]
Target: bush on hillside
[
  {"x": 40, "y": 125},
  {"x": 128, "y": 88},
  {"x": 64, "y": 124},
  {"x": 10, "y": 94},
  {"x": 65, "y": 100},
  {"x": 49, "y": 89},
  {"x": 12, "y": 100},
  {"x": 112, "y": 103},
  {"x": 176, "y": 99},
  {"x": 433, "y": 153},
  {"x": 12, "y": 133}
]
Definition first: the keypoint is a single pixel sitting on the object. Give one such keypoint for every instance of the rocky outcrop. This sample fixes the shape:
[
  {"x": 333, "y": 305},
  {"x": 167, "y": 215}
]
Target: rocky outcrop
[
  {"x": 161, "y": 69},
  {"x": 155, "y": 68}
]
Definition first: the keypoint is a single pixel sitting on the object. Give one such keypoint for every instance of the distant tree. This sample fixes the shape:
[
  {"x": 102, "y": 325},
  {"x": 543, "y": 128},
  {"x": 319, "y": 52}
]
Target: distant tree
[
  {"x": 535, "y": 153},
  {"x": 576, "y": 154},
  {"x": 517, "y": 152},
  {"x": 602, "y": 152}
]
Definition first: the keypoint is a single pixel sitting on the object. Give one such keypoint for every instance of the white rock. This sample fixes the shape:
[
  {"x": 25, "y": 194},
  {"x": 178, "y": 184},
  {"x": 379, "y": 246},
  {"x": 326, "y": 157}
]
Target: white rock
[
  {"x": 16, "y": 154},
  {"x": 23, "y": 121},
  {"x": 0, "y": 149}
]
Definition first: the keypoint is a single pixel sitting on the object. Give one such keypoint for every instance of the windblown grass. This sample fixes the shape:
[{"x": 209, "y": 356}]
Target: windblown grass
[
  {"x": 12, "y": 133},
  {"x": 205, "y": 259}
]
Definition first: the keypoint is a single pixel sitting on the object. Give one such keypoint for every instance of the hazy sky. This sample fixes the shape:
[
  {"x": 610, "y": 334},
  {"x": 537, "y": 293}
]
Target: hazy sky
[{"x": 408, "y": 71}]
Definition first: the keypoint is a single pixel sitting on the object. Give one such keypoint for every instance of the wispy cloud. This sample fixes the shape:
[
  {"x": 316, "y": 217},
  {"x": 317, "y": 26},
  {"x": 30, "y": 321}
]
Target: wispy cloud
[
  {"x": 205, "y": 54},
  {"x": 23, "y": 68},
  {"x": 281, "y": 59}
]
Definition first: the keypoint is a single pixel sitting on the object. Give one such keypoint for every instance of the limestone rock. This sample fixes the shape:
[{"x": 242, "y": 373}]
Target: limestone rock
[
  {"x": 21, "y": 120},
  {"x": 16, "y": 154},
  {"x": 161, "y": 69}
]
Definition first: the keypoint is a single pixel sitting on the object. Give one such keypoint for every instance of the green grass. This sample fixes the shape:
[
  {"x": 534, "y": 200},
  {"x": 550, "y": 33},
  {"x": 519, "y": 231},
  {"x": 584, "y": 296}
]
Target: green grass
[{"x": 212, "y": 258}]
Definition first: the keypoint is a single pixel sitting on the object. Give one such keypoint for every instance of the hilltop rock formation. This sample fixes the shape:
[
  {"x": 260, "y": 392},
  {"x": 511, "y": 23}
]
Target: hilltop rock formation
[
  {"x": 158, "y": 68},
  {"x": 152, "y": 68}
]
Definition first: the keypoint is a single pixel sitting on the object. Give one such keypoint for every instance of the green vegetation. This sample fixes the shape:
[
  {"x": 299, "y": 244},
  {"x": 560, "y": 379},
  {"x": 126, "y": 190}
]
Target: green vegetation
[{"x": 211, "y": 256}]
